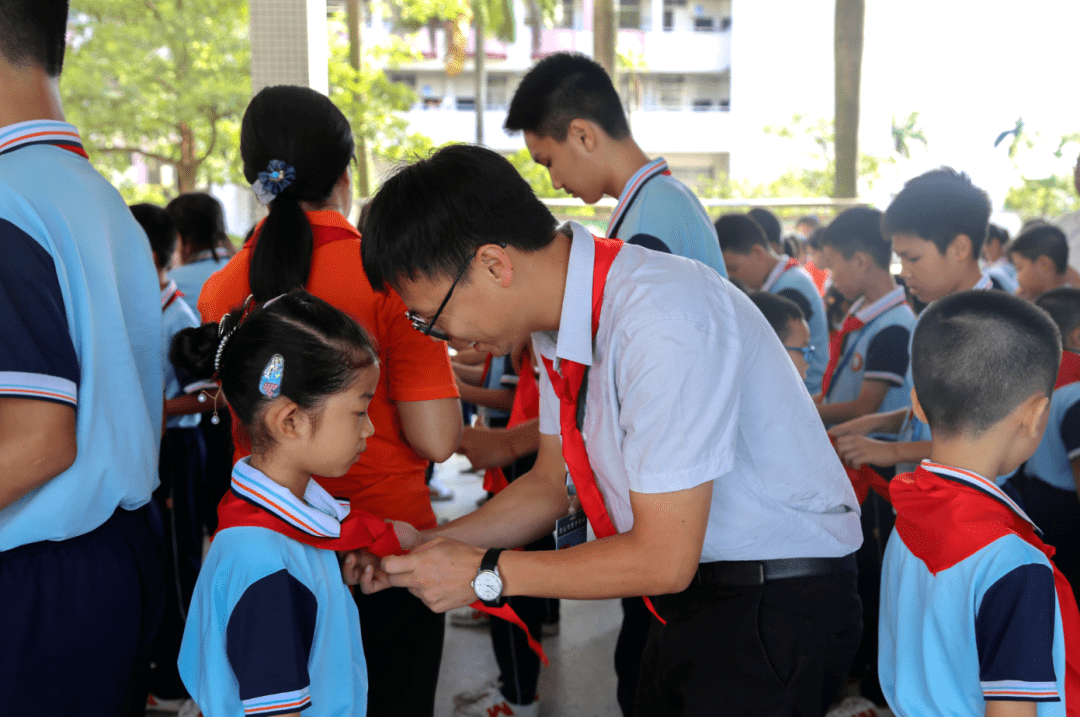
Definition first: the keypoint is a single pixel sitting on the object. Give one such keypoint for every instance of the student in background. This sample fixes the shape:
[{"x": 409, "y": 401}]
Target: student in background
[
  {"x": 786, "y": 319},
  {"x": 770, "y": 224},
  {"x": 1041, "y": 257},
  {"x": 204, "y": 245},
  {"x": 997, "y": 259},
  {"x": 1050, "y": 479},
  {"x": 748, "y": 257},
  {"x": 975, "y": 619},
  {"x": 868, "y": 357}
]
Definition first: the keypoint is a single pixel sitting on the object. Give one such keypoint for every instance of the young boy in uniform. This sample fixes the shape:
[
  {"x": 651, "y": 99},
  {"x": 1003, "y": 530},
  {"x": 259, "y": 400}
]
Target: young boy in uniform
[
  {"x": 1041, "y": 256},
  {"x": 868, "y": 357},
  {"x": 786, "y": 319},
  {"x": 975, "y": 619},
  {"x": 749, "y": 258},
  {"x": 997, "y": 261}
]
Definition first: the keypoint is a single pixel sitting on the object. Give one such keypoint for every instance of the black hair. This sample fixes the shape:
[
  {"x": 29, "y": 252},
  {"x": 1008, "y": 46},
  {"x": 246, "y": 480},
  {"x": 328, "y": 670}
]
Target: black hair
[
  {"x": 859, "y": 229},
  {"x": 996, "y": 233},
  {"x": 836, "y": 307},
  {"x": 791, "y": 246},
  {"x": 739, "y": 233},
  {"x": 810, "y": 219},
  {"x": 159, "y": 229},
  {"x": 561, "y": 88},
  {"x": 1045, "y": 240},
  {"x": 769, "y": 223},
  {"x": 428, "y": 218},
  {"x": 779, "y": 311},
  {"x": 323, "y": 349},
  {"x": 939, "y": 206},
  {"x": 1063, "y": 305},
  {"x": 303, "y": 129},
  {"x": 815, "y": 240},
  {"x": 200, "y": 220},
  {"x": 33, "y": 32},
  {"x": 977, "y": 355}
]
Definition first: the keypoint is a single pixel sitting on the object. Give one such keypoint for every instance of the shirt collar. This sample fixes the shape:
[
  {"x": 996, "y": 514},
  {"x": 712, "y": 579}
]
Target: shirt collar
[
  {"x": 43, "y": 131},
  {"x": 318, "y": 514},
  {"x": 974, "y": 480},
  {"x": 650, "y": 170},
  {"x": 868, "y": 312},
  {"x": 774, "y": 275},
  {"x": 327, "y": 218},
  {"x": 167, "y": 292},
  {"x": 984, "y": 282},
  {"x": 573, "y": 339},
  {"x": 207, "y": 254}
]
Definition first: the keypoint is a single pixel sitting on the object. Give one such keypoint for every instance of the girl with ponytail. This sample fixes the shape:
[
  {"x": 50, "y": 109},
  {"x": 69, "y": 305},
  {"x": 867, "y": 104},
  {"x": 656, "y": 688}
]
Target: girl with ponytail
[{"x": 297, "y": 148}]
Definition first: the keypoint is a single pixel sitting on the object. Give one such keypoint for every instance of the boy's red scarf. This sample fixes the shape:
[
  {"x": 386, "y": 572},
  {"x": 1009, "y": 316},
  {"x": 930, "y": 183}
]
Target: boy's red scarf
[
  {"x": 359, "y": 531},
  {"x": 944, "y": 519},
  {"x": 567, "y": 384},
  {"x": 1069, "y": 370},
  {"x": 526, "y": 407}
]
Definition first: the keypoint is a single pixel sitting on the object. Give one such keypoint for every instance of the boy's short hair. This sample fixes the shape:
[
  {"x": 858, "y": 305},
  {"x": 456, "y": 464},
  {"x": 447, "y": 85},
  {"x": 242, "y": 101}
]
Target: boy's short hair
[
  {"x": 998, "y": 234},
  {"x": 769, "y": 224},
  {"x": 809, "y": 219},
  {"x": 859, "y": 229},
  {"x": 33, "y": 32},
  {"x": 1046, "y": 240},
  {"x": 430, "y": 217},
  {"x": 160, "y": 230},
  {"x": 939, "y": 206},
  {"x": 779, "y": 311},
  {"x": 977, "y": 355},
  {"x": 739, "y": 233},
  {"x": 561, "y": 88},
  {"x": 1063, "y": 305}
]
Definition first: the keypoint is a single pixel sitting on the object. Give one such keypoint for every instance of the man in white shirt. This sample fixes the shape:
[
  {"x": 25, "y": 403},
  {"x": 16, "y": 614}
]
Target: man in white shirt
[{"x": 716, "y": 483}]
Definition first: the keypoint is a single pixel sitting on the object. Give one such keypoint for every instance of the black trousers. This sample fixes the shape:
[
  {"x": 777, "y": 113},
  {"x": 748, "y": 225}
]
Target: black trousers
[
  {"x": 782, "y": 649},
  {"x": 519, "y": 666},
  {"x": 633, "y": 636},
  {"x": 403, "y": 642}
]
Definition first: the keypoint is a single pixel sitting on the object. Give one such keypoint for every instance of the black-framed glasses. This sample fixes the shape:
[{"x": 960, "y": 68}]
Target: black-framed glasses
[
  {"x": 806, "y": 351},
  {"x": 426, "y": 327}
]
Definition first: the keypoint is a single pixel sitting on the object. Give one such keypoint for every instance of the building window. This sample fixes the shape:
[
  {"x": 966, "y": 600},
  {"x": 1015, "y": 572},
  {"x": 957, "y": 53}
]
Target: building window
[
  {"x": 704, "y": 24},
  {"x": 496, "y": 92},
  {"x": 702, "y": 105},
  {"x": 405, "y": 78},
  {"x": 629, "y": 15},
  {"x": 671, "y": 92},
  {"x": 465, "y": 103}
]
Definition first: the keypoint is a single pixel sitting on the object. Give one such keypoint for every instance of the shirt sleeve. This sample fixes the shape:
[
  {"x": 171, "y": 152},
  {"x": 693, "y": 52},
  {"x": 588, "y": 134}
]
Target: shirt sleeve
[
  {"x": 37, "y": 356},
  {"x": 887, "y": 355},
  {"x": 1070, "y": 430},
  {"x": 1014, "y": 633},
  {"x": 419, "y": 366},
  {"x": 799, "y": 298},
  {"x": 268, "y": 643}
]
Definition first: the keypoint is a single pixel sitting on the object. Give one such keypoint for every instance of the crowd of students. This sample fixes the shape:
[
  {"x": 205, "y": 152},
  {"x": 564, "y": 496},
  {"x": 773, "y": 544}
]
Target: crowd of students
[{"x": 811, "y": 480}]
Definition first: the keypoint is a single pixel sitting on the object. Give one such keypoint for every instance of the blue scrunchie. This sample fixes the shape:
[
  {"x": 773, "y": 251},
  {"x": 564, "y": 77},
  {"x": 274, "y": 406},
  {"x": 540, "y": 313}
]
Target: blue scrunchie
[{"x": 273, "y": 181}]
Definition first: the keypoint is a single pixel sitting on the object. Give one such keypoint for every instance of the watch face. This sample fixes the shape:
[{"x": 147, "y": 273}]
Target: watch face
[{"x": 487, "y": 585}]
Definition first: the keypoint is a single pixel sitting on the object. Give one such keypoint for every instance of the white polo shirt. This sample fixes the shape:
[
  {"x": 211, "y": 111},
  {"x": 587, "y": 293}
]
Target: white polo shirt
[{"x": 689, "y": 384}]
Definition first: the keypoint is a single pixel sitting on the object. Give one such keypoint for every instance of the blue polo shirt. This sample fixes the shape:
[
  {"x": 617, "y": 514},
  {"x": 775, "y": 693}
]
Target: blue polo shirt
[
  {"x": 795, "y": 283},
  {"x": 175, "y": 317},
  {"x": 272, "y": 629},
  {"x": 1060, "y": 446},
  {"x": 190, "y": 277},
  {"x": 81, "y": 324},
  {"x": 656, "y": 206}
]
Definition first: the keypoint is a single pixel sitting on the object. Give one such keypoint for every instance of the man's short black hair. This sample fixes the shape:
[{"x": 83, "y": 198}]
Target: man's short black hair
[
  {"x": 769, "y": 223},
  {"x": 939, "y": 206},
  {"x": 1045, "y": 240},
  {"x": 160, "y": 230},
  {"x": 998, "y": 234},
  {"x": 33, "y": 32},
  {"x": 739, "y": 233},
  {"x": 779, "y": 311},
  {"x": 561, "y": 88},
  {"x": 977, "y": 355},
  {"x": 859, "y": 229},
  {"x": 430, "y": 217},
  {"x": 1063, "y": 305}
]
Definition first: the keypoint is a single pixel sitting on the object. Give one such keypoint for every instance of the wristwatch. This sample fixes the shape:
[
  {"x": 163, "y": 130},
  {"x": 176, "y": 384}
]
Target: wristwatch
[{"x": 487, "y": 584}]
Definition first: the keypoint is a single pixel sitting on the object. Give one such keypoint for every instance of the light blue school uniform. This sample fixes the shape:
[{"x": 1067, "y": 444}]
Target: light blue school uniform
[
  {"x": 81, "y": 326},
  {"x": 783, "y": 280},
  {"x": 878, "y": 351},
  {"x": 175, "y": 317},
  {"x": 190, "y": 277},
  {"x": 272, "y": 629},
  {"x": 658, "y": 206},
  {"x": 1052, "y": 460}
]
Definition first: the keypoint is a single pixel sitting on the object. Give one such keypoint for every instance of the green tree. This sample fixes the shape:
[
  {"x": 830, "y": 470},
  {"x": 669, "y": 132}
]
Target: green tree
[
  {"x": 165, "y": 78},
  {"x": 1049, "y": 196},
  {"x": 906, "y": 131}
]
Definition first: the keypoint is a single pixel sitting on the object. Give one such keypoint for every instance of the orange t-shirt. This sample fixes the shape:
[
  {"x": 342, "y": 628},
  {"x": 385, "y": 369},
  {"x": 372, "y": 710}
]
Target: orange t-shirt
[{"x": 388, "y": 480}]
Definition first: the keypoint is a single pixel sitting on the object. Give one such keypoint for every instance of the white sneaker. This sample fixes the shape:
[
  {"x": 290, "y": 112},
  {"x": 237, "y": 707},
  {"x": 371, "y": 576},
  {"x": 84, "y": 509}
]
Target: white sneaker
[
  {"x": 469, "y": 617},
  {"x": 469, "y": 696},
  {"x": 493, "y": 704}
]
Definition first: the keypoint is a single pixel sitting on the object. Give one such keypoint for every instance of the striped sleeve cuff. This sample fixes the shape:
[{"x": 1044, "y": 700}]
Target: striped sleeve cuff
[
  {"x": 279, "y": 704},
  {"x": 1014, "y": 690},
  {"x": 39, "y": 386},
  {"x": 889, "y": 378}
]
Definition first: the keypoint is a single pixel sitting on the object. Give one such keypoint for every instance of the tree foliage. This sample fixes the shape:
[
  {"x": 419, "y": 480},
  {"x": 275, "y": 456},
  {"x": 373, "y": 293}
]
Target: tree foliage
[{"x": 1049, "y": 196}]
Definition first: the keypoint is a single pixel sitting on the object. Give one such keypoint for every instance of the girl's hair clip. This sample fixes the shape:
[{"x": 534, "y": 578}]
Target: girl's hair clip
[
  {"x": 223, "y": 337},
  {"x": 270, "y": 383},
  {"x": 277, "y": 177}
]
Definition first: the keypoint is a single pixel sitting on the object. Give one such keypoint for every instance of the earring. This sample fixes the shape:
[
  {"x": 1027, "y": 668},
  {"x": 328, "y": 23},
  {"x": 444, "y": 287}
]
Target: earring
[{"x": 202, "y": 399}]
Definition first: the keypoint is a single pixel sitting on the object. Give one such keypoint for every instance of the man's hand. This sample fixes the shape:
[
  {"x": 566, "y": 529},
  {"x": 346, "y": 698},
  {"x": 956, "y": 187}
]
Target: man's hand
[
  {"x": 856, "y": 450},
  {"x": 439, "y": 572}
]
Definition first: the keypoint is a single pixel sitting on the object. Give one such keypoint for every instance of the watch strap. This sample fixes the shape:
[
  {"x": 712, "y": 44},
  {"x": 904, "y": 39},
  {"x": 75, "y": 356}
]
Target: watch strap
[{"x": 490, "y": 560}]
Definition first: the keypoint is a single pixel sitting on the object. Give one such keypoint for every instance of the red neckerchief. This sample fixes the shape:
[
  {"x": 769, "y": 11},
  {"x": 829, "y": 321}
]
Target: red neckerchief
[
  {"x": 1069, "y": 370},
  {"x": 567, "y": 384},
  {"x": 863, "y": 479},
  {"x": 173, "y": 297},
  {"x": 836, "y": 347},
  {"x": 947, "y": 516},
  {"x": 526, "y": 407}
]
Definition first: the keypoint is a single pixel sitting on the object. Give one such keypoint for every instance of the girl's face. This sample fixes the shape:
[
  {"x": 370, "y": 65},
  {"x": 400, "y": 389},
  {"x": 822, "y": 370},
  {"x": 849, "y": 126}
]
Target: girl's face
[{"x": 342, "y": 427}]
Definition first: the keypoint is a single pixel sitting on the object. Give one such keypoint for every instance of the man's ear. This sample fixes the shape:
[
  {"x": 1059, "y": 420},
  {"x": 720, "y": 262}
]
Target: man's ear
[
  {"x": 284, "y": 420},
  {"x": 1046, "y": 264},
  {"x": 917, "y": 408},
  {"x": 583, "y": 135},
  {"x": 862, "y": 260},
  {"x": 961, "y": 247},
  {"x": 495, "y": 262}
]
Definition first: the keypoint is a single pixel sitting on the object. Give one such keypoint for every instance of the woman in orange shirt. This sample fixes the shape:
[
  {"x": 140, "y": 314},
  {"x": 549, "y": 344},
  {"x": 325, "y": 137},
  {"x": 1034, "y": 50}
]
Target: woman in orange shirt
[{"x": 297, "y": 147}]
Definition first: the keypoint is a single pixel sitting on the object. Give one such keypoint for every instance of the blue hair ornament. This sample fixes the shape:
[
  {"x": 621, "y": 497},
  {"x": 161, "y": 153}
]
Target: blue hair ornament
[
  {"x": 273, "y": 181},
  {"x": 270, "y": 383}
]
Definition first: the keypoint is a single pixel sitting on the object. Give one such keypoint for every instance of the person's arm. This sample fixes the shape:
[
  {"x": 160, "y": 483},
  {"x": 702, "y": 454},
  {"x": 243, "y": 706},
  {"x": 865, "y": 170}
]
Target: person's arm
[
  {"x": 855, "y": 451},
  {"x": 870, "y": 397},
  {"x": 500, "y": 399},
  {"x": 190, "y": 403},
  {"x": 1003, "y": 708},
  {"x": 432, "y": 428},
  {"x": 889, "y": 422},
  {"x": 470, "y": 357},
  {"x": 468, "y": 373},
  {"x": 37, "y": 443},
  {"x": 494, "y": 447}
]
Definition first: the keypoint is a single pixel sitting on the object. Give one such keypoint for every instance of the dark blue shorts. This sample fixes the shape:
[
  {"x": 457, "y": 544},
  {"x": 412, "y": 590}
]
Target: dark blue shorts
[{"x": 76, "y": 620}]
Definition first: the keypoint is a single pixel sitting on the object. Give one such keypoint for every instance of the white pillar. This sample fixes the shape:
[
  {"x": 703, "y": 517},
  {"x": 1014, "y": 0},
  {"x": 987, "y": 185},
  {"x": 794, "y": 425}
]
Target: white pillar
[
  {"x": 289, "y": 44},
  {"x": 657, "y": 16}
]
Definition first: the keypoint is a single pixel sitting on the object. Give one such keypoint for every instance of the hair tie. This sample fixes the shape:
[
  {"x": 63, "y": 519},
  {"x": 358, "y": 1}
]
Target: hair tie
[{"x": 273, "y": 181}]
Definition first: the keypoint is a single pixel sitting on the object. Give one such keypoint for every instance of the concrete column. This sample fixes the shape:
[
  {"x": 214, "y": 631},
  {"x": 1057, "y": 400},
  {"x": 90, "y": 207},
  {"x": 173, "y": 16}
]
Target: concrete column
[
  {"x": 289, "y": 44},
  {"x": 657, "y": 16}
]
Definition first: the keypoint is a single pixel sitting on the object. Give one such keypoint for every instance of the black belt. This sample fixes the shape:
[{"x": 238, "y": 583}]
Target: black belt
[{"x": 750, "y": 573}]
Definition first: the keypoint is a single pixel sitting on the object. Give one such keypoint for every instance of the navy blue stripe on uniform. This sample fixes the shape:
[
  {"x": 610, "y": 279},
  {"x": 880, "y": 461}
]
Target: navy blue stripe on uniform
[
  {"x": 1070, "y": 429},
  {"x": 888, "y": 353}
]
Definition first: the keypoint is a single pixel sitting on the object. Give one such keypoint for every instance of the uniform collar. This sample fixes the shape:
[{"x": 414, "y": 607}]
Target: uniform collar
[
  {"x": 629, "y": 192},
  {"x": 777, "y": 271},
  {"x": 318, "y": 514},
  {"x": 328, "y": 219},
  {"x": 573, "y": 339},
  {"x": 167, "y": 293},
  {"x": 984, "y": 282},
  {"x": 868, "y": 312},
  {"x": 978, "y": 482},
  {"x": 208, "y": 254},
  {"x": 43, "y": 131}
]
